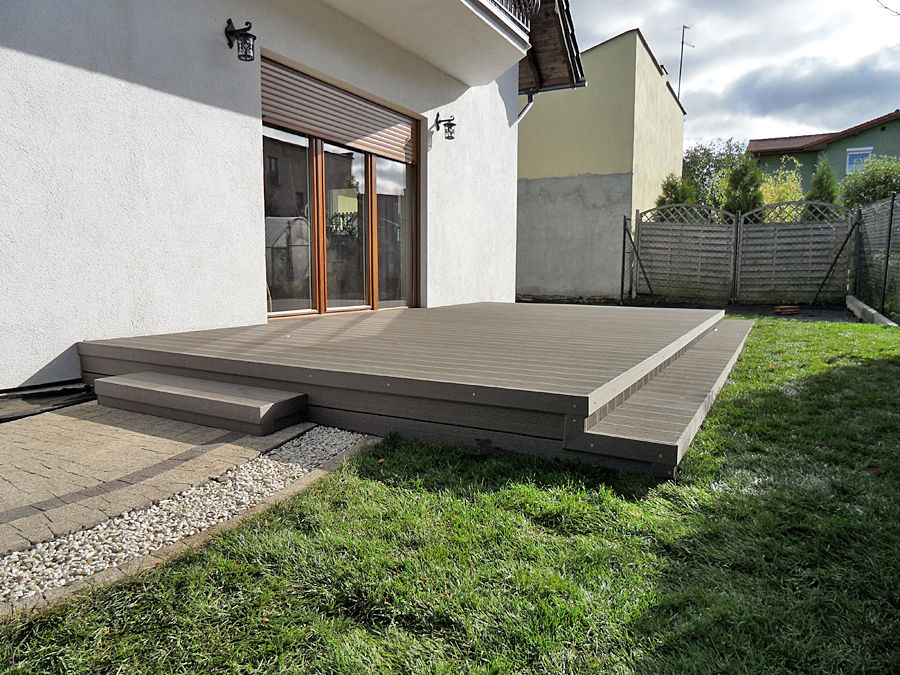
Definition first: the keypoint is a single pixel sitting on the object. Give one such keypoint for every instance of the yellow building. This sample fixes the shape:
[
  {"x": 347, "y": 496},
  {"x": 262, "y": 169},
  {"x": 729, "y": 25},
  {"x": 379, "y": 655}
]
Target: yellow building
[{"x": 588, "y": 157}]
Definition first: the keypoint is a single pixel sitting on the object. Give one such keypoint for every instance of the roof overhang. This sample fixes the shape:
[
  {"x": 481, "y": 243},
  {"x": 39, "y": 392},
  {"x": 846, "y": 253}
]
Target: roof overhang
[
  {"x": 553, "y": 61},
  {"x": 811, "y": 143}
]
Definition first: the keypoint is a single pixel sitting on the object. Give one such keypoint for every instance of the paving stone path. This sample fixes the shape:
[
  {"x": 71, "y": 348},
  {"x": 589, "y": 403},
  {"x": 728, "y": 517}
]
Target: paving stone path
[{"x": 74, "y": 468}]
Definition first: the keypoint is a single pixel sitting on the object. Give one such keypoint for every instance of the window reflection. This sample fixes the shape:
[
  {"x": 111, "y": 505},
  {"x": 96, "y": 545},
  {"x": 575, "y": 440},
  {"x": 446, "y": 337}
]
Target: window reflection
[
  {"x": 288, "y": 250},
  {"x": 395, "y": 183},
  {"x": 345, "y": 227}
]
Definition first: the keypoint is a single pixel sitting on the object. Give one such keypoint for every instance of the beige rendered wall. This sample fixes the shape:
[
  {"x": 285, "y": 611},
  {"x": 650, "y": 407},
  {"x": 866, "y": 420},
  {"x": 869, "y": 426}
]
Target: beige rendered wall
[
  {"x": 658, "y": 132},
  {"x": 588, "y": 130},
  {"x": 131, "y": 199}
]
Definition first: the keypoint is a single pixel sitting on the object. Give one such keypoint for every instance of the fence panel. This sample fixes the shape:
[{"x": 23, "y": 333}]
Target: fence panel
[
  {"x": 878, "y": 261},
  {"x": 777, "y": 253},
  {"x": 687, "y": 251},
  {"x": 785, "y": 250}
]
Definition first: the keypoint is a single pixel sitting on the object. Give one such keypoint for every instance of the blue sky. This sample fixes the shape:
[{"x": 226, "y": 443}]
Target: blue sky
[{"x": 763, "y": 68}]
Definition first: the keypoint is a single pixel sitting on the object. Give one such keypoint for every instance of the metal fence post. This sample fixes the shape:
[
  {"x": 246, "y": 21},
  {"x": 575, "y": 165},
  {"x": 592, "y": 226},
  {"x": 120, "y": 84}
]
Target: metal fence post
[
  {"x": 622, "y": 276},
  {"x": 887, "y": 251},
  {"x": 734, "y": 256},
  {"x": 859, "y": 252},
  {"x": 633, "y": 280}
]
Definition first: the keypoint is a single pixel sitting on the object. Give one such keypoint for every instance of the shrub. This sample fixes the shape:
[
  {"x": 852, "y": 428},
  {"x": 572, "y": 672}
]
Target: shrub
[
  {"x": 742, "y": 192},
  {"x": 676, "y": 190},
  {"x": 706, "y": 163},
  {"x": 877, "y": 179},
  {"x": 785, "y": 185},
  {"x": 824, "y": 185}
]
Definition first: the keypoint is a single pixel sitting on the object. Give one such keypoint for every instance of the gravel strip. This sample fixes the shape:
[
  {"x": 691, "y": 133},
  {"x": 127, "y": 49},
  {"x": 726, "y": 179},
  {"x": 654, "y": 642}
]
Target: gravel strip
[{"x": 137, "y": 533}]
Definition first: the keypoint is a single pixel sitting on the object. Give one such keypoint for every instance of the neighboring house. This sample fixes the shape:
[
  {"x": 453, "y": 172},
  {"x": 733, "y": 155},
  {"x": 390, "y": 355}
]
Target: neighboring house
[
  {"x": 587, "y": 158},
  {"x": 845, "y": 150},
  {"x": 155, "y": 183}
]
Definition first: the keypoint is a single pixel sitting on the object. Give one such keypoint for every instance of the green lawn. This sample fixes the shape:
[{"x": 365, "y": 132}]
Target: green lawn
[{"x": 776, "y": 550}]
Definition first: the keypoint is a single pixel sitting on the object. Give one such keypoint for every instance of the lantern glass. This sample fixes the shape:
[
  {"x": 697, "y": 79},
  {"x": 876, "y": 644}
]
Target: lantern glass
[
  {"x": 449, "y": 130},
  {"x": 245, "y": 46}
]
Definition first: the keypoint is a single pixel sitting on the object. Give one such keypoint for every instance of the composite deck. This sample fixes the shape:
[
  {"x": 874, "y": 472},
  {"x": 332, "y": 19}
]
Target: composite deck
[{"x": 521, "y": 377}]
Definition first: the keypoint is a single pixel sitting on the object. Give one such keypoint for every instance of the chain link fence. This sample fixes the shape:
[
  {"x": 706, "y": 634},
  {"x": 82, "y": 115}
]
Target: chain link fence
[{"x": 878, "y": 257}]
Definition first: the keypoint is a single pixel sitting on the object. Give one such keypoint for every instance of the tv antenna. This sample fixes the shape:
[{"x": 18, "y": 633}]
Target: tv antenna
[{"x": 681, "y": 59}]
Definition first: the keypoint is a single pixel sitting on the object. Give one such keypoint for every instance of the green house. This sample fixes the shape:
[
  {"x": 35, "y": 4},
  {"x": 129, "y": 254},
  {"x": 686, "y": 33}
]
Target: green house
[{"x": 845, "y": 150}]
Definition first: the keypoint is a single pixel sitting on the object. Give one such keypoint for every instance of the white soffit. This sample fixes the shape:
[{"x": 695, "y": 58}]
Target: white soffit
[{"x": 471, "y": 40}]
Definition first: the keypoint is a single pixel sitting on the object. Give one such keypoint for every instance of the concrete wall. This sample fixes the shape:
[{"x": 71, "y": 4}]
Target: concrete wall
[
  {"x": 131, "y": 199},
  {"x": 570, "y": 236},
  {"x": 658, "y": 132}
]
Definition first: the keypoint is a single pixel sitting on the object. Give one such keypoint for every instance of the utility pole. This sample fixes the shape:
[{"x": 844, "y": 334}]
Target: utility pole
[{"x": 681, "y": 59}]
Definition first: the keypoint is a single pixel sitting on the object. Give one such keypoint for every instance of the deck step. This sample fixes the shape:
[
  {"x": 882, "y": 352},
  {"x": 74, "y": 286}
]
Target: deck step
[
  {"x": 656, "y": 424},
  {"x": 237, "y": 407}
]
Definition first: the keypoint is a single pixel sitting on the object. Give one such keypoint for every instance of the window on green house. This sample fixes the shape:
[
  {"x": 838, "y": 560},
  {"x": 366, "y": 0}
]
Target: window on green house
[{"x": 856, "y": 157}]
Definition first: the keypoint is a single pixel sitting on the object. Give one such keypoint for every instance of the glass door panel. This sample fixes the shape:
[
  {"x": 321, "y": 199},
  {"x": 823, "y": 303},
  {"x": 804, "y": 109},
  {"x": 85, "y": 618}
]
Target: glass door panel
[
  {"x": 289, "y": 269},
  {"x": 345, "y": 227},
  {"x": 395, "y": 183}
]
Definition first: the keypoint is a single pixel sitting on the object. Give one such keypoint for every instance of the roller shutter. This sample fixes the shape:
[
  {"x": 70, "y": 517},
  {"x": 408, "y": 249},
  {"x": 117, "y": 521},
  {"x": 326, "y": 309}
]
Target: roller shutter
[{"x": 301, "y": 103}]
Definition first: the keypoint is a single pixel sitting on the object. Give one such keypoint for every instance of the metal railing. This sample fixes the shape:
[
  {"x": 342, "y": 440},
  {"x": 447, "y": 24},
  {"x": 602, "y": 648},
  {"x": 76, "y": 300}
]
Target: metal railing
[{"x": 521, "y": 11}]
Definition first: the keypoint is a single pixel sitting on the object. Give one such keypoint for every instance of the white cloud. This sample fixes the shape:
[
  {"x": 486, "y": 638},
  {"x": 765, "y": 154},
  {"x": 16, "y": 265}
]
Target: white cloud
[{"x": 764, "y": 67}]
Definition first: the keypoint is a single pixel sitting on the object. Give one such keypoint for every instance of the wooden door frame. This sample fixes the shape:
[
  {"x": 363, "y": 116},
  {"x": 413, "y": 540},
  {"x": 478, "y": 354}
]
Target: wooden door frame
[{"x": 318, "y": 226}]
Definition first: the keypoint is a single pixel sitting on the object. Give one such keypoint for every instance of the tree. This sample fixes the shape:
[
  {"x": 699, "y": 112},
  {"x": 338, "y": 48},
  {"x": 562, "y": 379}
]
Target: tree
[
  {"x": 824, "y": 185},
  {"x": 878, "y": 178},
  {"x": 706, "y": 166},
  {"x": 676, "y": 190},
  {"x": 742, "y": 192},
  {"x": 785, "y": 185}
]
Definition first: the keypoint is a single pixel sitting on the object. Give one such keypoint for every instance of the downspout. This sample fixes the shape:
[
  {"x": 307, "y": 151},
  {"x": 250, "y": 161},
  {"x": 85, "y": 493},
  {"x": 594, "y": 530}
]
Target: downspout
[{"x": 527, "y": 107}]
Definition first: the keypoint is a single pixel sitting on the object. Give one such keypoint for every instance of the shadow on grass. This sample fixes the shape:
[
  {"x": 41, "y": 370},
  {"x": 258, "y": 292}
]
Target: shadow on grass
[
  {"x": 467, "y": 472},
  {"x": 777, "y": 548},
  {"x": 788, "y": 562}
]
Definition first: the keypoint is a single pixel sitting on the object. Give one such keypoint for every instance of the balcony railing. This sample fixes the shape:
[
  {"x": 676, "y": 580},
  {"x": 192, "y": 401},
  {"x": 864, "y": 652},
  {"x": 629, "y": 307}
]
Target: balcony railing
[{"x": 520, "y": 11}]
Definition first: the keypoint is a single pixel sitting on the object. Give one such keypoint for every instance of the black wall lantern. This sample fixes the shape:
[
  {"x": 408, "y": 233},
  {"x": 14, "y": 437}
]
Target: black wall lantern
[
  {"x": 449, "y": 126},
  {"x": 244, "y": 39}
]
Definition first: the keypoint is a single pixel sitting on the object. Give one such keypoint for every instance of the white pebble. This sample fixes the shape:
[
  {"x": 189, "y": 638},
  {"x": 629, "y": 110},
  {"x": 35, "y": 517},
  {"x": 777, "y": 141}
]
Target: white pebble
[{"x": 136, "y": 533}]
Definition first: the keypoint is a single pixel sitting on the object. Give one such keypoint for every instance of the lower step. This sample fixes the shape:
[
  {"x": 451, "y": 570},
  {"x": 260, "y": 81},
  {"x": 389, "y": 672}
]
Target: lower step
[
  {"x": 236, "y": 407},
  {"x": 656, "y": 424}
]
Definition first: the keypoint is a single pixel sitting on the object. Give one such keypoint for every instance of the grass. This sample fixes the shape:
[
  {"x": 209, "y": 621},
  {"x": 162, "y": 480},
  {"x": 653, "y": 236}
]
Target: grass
[{"x": 776, "y": 550}]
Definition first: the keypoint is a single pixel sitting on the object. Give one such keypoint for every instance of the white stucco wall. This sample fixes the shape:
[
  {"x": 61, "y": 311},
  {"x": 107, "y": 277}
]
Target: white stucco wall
[
  {"x": 131, "y": 198},
  {"x": 471, "y": 199}
]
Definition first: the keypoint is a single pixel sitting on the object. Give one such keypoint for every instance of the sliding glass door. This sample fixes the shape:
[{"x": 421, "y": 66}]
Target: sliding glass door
[
  {"x": 340, "y": 226},
  {"x": 289, "y": 265},
  {"x": 346, "y": 244}
]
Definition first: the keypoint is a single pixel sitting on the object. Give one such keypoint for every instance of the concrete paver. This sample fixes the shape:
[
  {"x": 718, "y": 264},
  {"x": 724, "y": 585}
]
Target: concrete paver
[{"x": 73, "y": 468}]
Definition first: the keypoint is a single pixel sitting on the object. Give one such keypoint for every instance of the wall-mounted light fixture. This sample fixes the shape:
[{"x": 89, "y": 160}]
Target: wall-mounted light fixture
[
  {"x": 449, "y": 126},
  {"x": 244, "y": 39}
]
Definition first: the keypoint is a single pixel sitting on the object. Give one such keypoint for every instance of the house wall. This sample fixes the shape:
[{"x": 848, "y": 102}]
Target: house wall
[
  {"x": 131, "y": 200},
  {"x": 658, "y": 132},
  {"x": 587, "y": 158},
  {"x": 885, "y": 142},
  {"x": 587, "y": 131}
]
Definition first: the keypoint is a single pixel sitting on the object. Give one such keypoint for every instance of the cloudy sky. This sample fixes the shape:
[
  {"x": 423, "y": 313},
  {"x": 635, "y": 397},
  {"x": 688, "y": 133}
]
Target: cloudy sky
[{"x": 764, "y": 68}]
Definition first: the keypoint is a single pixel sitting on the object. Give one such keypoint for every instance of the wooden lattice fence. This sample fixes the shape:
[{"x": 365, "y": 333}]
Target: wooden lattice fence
[
  {"x": 777, "y": 253},
  {"x": 686, "y": 250}
]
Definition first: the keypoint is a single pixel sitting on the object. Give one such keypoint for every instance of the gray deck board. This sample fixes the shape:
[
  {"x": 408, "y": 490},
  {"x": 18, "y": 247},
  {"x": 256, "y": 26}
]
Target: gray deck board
[
  {"x": 668, "y": 411},
  {"x": 526, "y": 378},
  {"x": 570, "y": 350}
]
